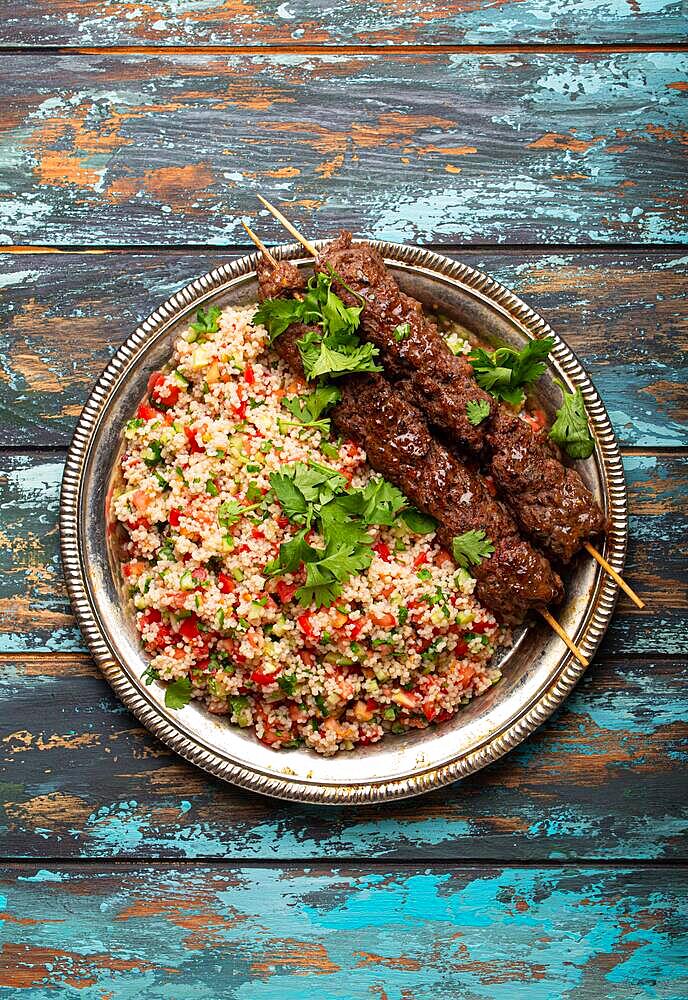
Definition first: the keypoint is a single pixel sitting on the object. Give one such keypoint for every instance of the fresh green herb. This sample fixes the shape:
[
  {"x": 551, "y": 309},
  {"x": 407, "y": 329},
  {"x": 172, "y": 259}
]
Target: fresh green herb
[
  {"x": 287, "y": 682},
  {"x": 178, "y": 694},
  {"x": 253, "y": 492},
  {"x": 420, "y": 524},
  {"x": 571, "y": 429},
  {"x": 402, "y": 615},
  {"x": 152, "y": 455},
  {"x": 162, "y": 482},
  {"x": 329, "y": 449},
  {"x": 424, "y": 574},
  {"x": 504, "y": 372},
  {"x": 377, "y": 503},
  {"x": 320, "y": 702},
  {"x": 241, "y": 710},
  {"x": 401, "y": 332},
  {"x": 134, "y": 424},
  {"x": 211, "y": 489},
  {"x": 266, "y": 447},
  {"x": 309, "y": 409},
  {"x": 471, "y": 548},
  {"x": 207, "y": 322},
  {"x": 150, "y": 674},
  {"x": 334, "y": 348},
  {"x": 477, "y": 410},
  {"x": 230, "y": 511},
  {"x": 252, "y": 467}
]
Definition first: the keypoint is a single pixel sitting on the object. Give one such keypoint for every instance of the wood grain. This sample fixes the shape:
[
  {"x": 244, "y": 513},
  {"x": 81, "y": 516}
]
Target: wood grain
[
  {"x": 394, "y": 933},
  {"x": 604, "y": 779},
  {"x": 472, "y": 148},
  {"x": 309, "y": 22},
  {"x": 35, "y": 614},
  {"x": 623, "y": 314}
]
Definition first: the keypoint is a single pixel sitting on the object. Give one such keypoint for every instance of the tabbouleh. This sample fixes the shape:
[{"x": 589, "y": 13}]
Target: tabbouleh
[{"x": 403, "y": 643}]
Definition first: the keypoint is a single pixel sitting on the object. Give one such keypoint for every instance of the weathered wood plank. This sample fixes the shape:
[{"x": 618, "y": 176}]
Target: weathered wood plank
[
  {"x": 35, "y": 614},
  {"x": 605, "y": 778},
  {"x": 585, "y": 933},
  {"x": 527, "y": 147},
  {"x": 217, "y": 22},
  {"x": 624, "y": 314}
]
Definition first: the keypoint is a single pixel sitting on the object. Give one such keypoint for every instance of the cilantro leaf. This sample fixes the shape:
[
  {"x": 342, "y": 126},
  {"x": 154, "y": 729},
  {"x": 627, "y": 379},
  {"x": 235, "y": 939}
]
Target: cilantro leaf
[
  {"x": 178, "y": 694},
  {"x": 325, "y": 357},
  {"x": 310, "y": 407},
  {"x": 230, "y": 511},
  {"x": 471, "y": 548},
  {"x": 571, "y": 429},
  {"x": 505, "y": 371},
  {"x": 477, "y": 410},
  {"x": 377, "y": 503},
  {"x": 207, "y": 322},
  {"x": 288, "y": 493},
  {"x": 277, "y": 314},
  {"x": 401, "y": 331},
  {"x": 292, "y": 554},
  {"x": 421, "y": 524}
]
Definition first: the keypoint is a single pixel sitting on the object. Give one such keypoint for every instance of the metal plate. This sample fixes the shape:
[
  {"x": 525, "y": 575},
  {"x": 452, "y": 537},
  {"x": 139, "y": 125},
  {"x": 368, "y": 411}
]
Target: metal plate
[{"x": 537, "y": 674}]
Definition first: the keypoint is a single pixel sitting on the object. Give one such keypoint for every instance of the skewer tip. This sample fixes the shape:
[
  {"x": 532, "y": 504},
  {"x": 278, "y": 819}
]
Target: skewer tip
[
  {"x": 614, "y": 575},
  {"x": 306, "y": 244},
  {"x": 259, "y": 243},
  {"x": 565, "y": 637}
]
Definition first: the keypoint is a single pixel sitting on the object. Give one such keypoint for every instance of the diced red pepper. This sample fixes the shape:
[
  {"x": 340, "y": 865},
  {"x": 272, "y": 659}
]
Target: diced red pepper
[
  {"x": 257, "y": 533},
  {"x": 382, "y": 550},
  {"x": 189, "y": 627},
  {"x": 372, "y": 705},
  {"x": 174, "y": 516},
  {"x": 421, "y": 558},
  {"x": 461, "y": 648},
  {"x": 194, "y": 447},
  {"x": 385, "y": 620},
  {"x": 226, "y": 583},
  {"x": 240, "y": 410},
  {"x": 481, "y": 627},
  {"x": 259, "y": 676},
  {"x": 282, "y": 522},
  {"x": 285, "y": 591},
  {"x": 304, "y": 621},
  {"x": 249, "y": 376},
  {"x": 150, "y": 616},
  {"x": 146, "y": 412},
  {"x": 429, "y": 710}
]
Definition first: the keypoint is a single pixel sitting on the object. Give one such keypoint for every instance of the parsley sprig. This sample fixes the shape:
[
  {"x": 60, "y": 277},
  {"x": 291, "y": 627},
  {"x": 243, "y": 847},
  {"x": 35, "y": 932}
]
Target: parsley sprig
[
  {"x": 308, "y": 410},
  {"x": 333, "y": 349},
  {"x": 207, "y": 322},
  {"x": 571, "y": 429},
  {"x": 504, "y": 372},
  {"x": 315, "y": 498},
  {"x": 471, "y": 548}
]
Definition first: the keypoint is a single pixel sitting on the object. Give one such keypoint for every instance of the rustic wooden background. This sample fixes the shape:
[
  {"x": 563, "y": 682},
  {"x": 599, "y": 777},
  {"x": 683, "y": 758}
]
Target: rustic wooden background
[{"x": 542, "y": 142}]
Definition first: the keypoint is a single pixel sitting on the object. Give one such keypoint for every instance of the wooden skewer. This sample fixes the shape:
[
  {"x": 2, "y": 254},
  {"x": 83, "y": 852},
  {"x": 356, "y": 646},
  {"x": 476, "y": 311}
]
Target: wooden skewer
[
  {"x": 259, "y": 243},
  {"x": 565, "y": 637},
  {"x": 288, "y": 226},
  {"x": 614, "y": 575},
  {"x": 551, "y": 621}
]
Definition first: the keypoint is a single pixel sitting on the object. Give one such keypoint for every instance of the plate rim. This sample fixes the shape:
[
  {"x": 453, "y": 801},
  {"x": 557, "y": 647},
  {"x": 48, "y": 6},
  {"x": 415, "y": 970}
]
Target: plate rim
[{"x": 568, "y": 672}]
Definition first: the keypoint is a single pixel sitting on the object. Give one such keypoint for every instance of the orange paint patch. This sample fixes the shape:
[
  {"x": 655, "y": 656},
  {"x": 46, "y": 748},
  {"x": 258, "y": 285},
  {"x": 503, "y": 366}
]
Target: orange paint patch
[
  {"x": 330, "y": 167},
  {"x": 400, "y": 962},
  {"x": 192, "y": 913},
  {"x": 446, "y": 150},
  {"x": 282, "y": 172},
  {"x": 571, "y": 177},
  {"x": 678, "y": 85},
  {"x": 174, "y": 184},
  {"x": 451, "y": 169},
  {"x": 50, "y": 812},
  {"x": 300, "y": 958},
  {"x": 60, "y": 169},
  {"x": 24, "y": 966},
  {"x": 667, "y": 134},
  {"x": 555, "y": 140}
]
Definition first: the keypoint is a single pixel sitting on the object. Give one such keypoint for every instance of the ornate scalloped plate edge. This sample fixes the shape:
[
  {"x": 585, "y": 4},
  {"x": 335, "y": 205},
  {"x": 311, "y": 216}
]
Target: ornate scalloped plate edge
[{"x": 514, "y": 732}]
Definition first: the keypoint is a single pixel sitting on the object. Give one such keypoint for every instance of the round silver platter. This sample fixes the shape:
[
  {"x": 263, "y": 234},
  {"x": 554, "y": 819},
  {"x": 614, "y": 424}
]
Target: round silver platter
[{"x": 538, "y": 673}]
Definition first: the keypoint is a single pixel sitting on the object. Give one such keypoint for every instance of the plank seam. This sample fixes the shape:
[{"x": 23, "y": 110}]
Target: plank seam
[
  {"x": 441, "y": 48},
  {"x": 672, "y": 249},
  {"x": 347, "y": 862}
]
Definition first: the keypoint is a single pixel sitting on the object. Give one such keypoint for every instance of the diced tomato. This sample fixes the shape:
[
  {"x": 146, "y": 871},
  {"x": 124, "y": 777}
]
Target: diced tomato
[
  {"x": 406, "y": 699},
  {"x": 285, "y": 591},
  {"x": 338, "y": 619},
  {"x": 249, "y": 376},
  {"x": 241, "y": 548},
  {"x": 259, "y": 676},
  {"x": 174, "y": 516},
  {"x": 481, "y": 627},
  {"x": 382, "y": 550},
  {"x": 194, "y": 447},
  {"x": 225, "y": 583},
  {"x": 385, "y": 620},
  {"x": 442, "y": 557},
  {"x": 150, "y": 616},
  {"x": 307, "y": 657},
  {"x": 146, "y": 412},
  {"x": 355, "y": 628},
  {"x": 240, "y": 410},
  {"x": 257, "y": 533},
  {"x": 372, "y": 705},
  {"x": 304, "y": 621},
  {"x": 421, "y": 558},
  {"x": 429, "y": 710},
  {"x": 189, "y": 627},
  {"x": 537, "y": 419},
  {"x": 169, "y": 419},
  {"x": 162, "y": 397},
  {"x": 461, "y": 648},
  {"x": 282, "y": 522},
  {"x": 443, "y": 715}
]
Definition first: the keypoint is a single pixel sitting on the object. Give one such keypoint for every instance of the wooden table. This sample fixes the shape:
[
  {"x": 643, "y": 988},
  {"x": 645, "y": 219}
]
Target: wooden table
[{"x": 544, "y": 143}]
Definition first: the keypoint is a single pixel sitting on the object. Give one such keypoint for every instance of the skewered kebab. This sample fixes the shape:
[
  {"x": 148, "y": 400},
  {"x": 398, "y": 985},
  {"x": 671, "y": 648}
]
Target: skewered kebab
[
  {"x": 586, "y": 544},
  {"x": 549, "y": 500},
  {"x": 514, "y": 578}
]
